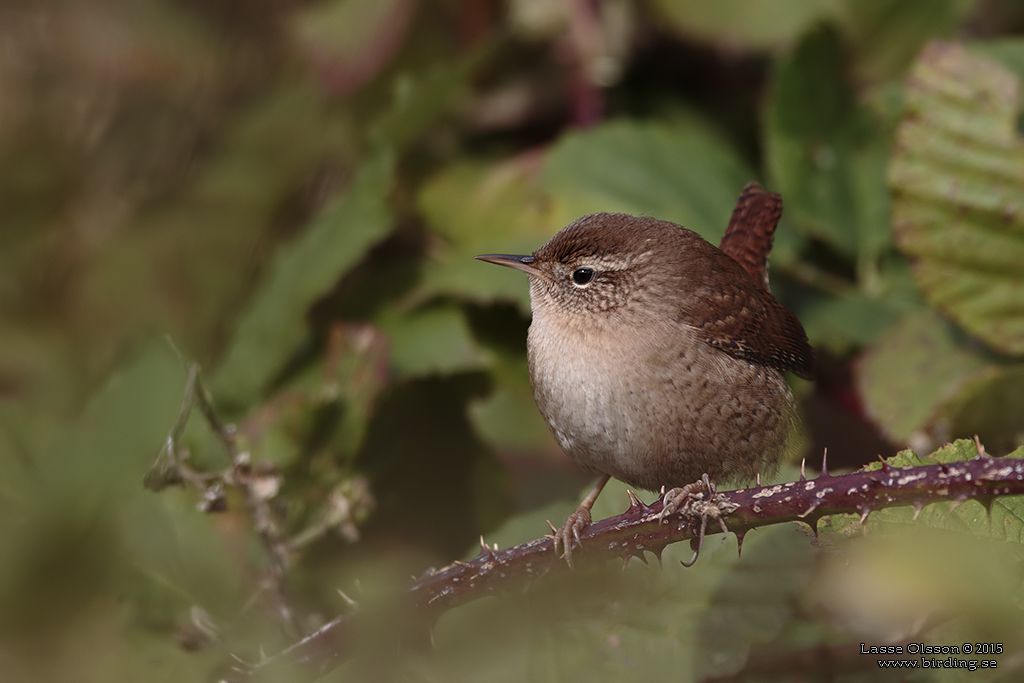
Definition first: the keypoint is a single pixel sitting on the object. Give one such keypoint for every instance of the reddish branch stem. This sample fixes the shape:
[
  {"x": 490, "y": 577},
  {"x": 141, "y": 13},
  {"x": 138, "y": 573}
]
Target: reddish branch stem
[{"x": 637, "y": 530}]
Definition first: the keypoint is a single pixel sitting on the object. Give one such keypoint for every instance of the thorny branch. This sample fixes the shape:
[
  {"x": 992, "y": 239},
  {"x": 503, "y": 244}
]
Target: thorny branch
[
  {"x": 257, "y": 484},
  {"x": 639, "y": 530}
]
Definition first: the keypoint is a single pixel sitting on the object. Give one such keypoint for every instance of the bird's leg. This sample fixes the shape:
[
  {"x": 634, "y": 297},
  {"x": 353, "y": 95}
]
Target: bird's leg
[
  {"x": 569, "y": 534},
  {"x": 675, "y": 499}
]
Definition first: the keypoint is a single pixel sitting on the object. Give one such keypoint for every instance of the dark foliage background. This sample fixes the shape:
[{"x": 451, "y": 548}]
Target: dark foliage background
[{"x": 290, "y": 192}]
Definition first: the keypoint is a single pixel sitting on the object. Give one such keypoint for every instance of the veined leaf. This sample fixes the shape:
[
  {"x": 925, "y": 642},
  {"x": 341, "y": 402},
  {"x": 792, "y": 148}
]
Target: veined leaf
[
  {"x": 912, "y": 372},
  {"x": 958, "y": 182}
]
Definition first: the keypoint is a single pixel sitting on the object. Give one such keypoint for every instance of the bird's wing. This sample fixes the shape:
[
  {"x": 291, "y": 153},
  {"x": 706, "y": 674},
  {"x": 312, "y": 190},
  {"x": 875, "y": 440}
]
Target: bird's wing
[{"x": 745, "y": 321}]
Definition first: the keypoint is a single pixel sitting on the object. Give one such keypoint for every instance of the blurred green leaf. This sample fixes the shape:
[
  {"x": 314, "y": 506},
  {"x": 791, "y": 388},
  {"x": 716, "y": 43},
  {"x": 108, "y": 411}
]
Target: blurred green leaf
[
  {"x": 850, "y": 320},
  {"x": 758, "y": 598},
  {"x": 1008, "y": 51},
  {"x": 420, "y": 98},
  {"x": 990, "y": 406},
  {"x": 686, "y": 174},
  {"x": 958, "y": 179},
  {"x": 887, "y": 34},
  {"x": 476, "y": 209},
  {"x": 743, "y": 24},
  {"x": 507, "y": 418},
  {"x": 827, "y": 154},
  {"x": 274, "y": 325},
  {"x": 429, "y": 341},
  {"x": 192, "y": 256},
  {"x": 86, "y": 508},
  {"x": 912, "y": 372}
]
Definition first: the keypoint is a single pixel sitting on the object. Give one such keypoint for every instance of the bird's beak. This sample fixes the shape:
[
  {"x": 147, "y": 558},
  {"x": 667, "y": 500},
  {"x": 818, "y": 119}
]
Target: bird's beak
[{"x": 523, "y": 263}]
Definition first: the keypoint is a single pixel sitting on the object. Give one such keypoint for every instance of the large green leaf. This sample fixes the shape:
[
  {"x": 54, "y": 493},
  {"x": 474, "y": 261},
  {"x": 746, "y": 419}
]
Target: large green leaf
[
  {"x": 958, "y": 181},
  {"x": 912, "y": 372},
  {"x": 274, "y": 325},
  {"x": 827, "y": 153},
  {"x": 687, "y": 174},
  {"x": 477, "y": 208}
]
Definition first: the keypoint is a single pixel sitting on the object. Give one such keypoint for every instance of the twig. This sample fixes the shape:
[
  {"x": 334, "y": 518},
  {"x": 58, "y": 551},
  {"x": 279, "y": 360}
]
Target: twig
[
  {"x": 258, "y": 486},
  {"x": 637, "y": 530}
]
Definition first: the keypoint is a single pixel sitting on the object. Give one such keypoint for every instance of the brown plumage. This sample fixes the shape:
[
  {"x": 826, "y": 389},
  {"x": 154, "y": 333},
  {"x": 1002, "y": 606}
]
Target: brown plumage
[
  {"x": 656, "y": 357},
  {"x": 748, "y": 239}
]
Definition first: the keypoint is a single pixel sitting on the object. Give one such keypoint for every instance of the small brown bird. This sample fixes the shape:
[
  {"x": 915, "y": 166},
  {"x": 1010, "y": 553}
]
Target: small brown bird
[{"x": 656, "y": 357}]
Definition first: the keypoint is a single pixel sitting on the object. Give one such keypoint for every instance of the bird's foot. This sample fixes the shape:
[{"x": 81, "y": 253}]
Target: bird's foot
[
  {"x": 568, "y": 536},
  {"x": 682, "y": 498},
  {"x": 698, "y": 500}
]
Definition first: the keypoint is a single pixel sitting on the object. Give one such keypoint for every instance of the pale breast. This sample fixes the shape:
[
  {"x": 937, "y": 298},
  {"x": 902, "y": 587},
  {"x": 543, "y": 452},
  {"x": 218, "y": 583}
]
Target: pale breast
[{"x": 656, "y": 413}]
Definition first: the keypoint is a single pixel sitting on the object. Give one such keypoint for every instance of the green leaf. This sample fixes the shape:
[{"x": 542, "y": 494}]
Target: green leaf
[
  {"x": 911, "y": 372},
  {"x": 429, "y": 341},
  {"x": 887, "y": 34},
  {"x": 85, "y": 507},
  {"x": 991, "y": 406},
  {"x": 1008, "y": 51},
  {"x": 477, "y": 208},
  {"x": 826, "y": 153},
  {"x": 741, "y": 24},
  {"x": 958, "y": 180},
  {"x": 274, "y": 325},
  {"x": 686, "y": 174},
  {"x": 421, "y": 98},
  {"x": 848, "y": 320},
  {"x": 508, "y": 418}
]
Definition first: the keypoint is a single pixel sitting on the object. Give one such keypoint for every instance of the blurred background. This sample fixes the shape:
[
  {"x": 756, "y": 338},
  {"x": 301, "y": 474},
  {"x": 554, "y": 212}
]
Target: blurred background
[{"x": 289, "y": 193}]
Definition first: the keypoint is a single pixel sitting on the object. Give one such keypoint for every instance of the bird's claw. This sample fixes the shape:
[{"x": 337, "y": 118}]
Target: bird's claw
[
  {"x": 568, "y": 536},
  {"x": 676, "y": 499}
]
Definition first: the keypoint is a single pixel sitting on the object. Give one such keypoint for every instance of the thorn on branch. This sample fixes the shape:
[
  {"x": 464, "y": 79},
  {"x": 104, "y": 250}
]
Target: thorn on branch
[
  {"x": 487, "y": 551},
  {"x": 864, "y": 512}
]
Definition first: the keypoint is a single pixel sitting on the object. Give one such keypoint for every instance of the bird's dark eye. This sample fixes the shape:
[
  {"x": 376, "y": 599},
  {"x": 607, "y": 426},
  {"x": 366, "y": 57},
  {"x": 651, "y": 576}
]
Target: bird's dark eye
[{"x": 582, "y": 276}]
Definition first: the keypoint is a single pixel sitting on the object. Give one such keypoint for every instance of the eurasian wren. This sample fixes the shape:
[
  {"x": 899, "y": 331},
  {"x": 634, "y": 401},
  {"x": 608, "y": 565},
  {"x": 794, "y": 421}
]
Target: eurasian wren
[{"x": 656, "y": 357}]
